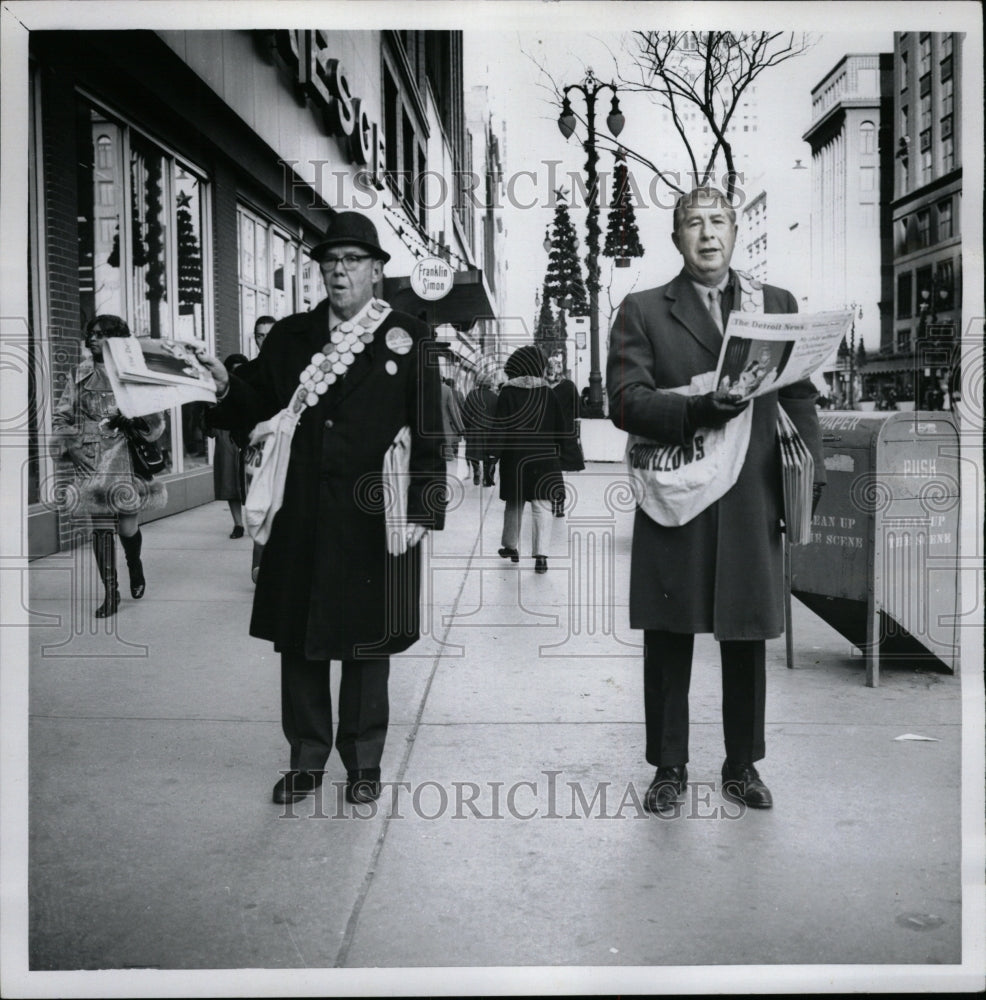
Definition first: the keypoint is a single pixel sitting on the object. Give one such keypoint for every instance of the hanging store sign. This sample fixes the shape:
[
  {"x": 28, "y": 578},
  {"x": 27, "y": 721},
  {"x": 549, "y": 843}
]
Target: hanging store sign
[
  {"x": 322, "y": 80},
  {"x": 432, "y": 278}
]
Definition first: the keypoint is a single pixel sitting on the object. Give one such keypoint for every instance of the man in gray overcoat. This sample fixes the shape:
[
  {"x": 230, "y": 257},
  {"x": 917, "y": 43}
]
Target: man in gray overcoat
[
  {"x": 328, "y": 588},
  {"x": 722, "y": 571}
]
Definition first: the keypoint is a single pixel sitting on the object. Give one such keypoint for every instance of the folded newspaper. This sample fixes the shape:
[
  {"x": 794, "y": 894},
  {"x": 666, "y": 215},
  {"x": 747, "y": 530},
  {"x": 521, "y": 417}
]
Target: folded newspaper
[
  {"x": 150, "y": 375},
  {"x": 762, "y": 352}
]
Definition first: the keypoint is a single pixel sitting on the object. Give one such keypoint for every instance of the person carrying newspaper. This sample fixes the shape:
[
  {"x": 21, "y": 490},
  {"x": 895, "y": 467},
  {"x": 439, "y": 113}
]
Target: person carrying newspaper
[
  {"x": 328, "y": 589},
  {"x": 89, "y": 430},
  {"x": 721, "y": 571}
]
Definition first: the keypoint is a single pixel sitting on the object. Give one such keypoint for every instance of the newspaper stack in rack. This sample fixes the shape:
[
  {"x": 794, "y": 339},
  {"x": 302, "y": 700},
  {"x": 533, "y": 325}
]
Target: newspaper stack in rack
[
  {"x": 798, "y": 471},
  {"x": 149, "y": 375}
]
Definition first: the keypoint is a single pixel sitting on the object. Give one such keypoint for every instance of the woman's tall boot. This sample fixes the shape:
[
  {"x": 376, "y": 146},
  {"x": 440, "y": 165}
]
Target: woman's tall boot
[
  {"x": 104, "y": 549},
  {"x": 131, "y": 549}
]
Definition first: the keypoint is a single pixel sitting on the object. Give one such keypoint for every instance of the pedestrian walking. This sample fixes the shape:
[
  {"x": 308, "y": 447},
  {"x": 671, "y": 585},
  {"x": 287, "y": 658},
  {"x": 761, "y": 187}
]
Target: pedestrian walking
[
  {"x": 328, "y": 588},
  {"x": 451, "y": 419},
  {"x": 478, "y": 421},
  {"x": 228, "y": 480},
  {"x": 529, "y": 429},
  {"x": 89, "y": 430},
  {"x": 570, "y": 456},
  {"x": 720, "y": 572}
]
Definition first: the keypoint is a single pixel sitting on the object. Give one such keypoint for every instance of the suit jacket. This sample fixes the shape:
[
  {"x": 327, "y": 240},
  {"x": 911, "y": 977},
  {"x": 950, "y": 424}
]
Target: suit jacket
[
  {"x": 722, "y": 571},
  {"x": 327, "y": 586}
]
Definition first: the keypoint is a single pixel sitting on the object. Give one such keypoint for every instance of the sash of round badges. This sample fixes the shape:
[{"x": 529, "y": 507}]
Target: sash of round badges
[{"x": 346, "y": 342}]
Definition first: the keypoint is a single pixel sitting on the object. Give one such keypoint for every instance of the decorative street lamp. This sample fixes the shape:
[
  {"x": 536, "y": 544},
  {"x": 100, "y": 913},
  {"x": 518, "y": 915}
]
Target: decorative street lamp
[
  {"x": 857, "y": 312},
  {"x": 615, "y": 121}
]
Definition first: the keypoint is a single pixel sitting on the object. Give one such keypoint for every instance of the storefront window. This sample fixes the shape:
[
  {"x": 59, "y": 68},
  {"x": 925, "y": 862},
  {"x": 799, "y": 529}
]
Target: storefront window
[
  {"x": 271, "y": 282},
  {"x": 142, "y": 249}
]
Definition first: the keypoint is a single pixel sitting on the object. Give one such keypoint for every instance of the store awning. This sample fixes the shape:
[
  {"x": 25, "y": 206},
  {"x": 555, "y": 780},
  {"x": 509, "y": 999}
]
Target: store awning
[
  {"x": 888, "y": 366},
  {"x": 469, "y": 300}
]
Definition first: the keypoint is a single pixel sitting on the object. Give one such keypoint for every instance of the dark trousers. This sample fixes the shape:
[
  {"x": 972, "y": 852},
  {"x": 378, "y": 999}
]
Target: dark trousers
[
  {"x": 306, "y": 712},
  {"x": 667, "y": 675}
]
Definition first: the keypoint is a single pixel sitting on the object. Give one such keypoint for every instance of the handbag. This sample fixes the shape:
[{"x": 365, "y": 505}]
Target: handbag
[
  {"x": 265, "y": 462},
  {"x": 146, "y": 456},
  {"x": 673, "y": 483}
]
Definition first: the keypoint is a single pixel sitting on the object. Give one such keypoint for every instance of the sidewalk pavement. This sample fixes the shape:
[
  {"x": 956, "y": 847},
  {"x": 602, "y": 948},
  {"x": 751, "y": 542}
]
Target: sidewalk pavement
[{"x": 155, "y": 741}]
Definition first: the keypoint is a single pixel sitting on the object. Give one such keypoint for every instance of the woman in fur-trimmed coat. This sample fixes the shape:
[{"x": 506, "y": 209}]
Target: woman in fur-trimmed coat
[{"x": 89, "y": 430}]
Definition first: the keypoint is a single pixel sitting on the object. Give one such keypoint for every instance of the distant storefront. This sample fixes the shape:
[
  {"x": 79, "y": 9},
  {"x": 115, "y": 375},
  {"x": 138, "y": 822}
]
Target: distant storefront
[{"x": 177, "y": 179}]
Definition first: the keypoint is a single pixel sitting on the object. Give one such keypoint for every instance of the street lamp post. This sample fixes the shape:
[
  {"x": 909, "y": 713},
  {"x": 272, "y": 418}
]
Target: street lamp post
[
  {"x": 857, "y": 311},
  {"x": 590, "y": 88}
]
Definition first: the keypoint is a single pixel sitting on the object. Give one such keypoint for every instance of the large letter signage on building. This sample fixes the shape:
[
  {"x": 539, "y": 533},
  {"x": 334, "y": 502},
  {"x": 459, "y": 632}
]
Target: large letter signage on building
[{"x": 322, "y": 80}]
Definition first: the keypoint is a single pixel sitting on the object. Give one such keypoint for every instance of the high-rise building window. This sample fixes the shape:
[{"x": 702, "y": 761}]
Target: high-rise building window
[
  {"x": 904, "y": 295},
  {"x": 904, "y": 174},
  {"x": 946, "y": 97},
  {"x": 924, "y": 228},
  {"x": 903, "y": 71},
  {"x": 867, "y": 137},
  {"x": 926, "y": 110},
  {"x": 945, "y": 229},
  {"x": 926, "y": 166},
  {"x": 925, "y": 55},
  {"x": 947, "y": 154}
]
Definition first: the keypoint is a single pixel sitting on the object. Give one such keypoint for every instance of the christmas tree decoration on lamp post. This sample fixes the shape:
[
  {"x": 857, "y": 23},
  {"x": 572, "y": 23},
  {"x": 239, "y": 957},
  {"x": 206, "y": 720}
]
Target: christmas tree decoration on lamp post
[
  {"x": 590, "y": 88},
  {"x": 622, "y": 237}
]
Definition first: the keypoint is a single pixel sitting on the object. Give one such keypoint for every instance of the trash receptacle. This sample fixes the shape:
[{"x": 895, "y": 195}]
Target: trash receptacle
[{"x": 882, "y": 566}]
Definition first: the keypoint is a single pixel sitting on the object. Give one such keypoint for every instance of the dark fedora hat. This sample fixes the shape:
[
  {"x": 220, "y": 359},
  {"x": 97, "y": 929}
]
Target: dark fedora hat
[{"x": 349, "y": 229}]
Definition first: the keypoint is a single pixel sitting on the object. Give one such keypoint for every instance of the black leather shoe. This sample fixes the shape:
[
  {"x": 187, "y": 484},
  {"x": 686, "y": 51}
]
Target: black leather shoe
[
  {"x": 540, "y": 564},
  {"x": 668, "y": 784},
  {"x": 296, "y": 785},
  {"x": 741, "y": 782},
  {"x": 362, "y": 786},
  {"x": 512, "y": 554},
  {"x": 237, "y": 532}
]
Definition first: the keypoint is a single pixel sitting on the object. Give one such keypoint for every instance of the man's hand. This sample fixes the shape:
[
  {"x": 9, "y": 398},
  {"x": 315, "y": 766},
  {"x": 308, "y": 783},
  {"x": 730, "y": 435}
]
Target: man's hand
[
  {"x": 119, "y": 422},
  {"x": 415, "y": 532},
  {"x": 216, "y": 369},
  {"x": 714, "y": 409}
]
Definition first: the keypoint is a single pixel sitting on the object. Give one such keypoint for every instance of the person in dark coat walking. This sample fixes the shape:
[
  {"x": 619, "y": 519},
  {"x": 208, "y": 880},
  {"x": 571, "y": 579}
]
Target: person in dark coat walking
[
  {"x": 328, "y": 589},
  {"x": 478, "y": 418},
  {"x": 228, "y": 480},
  {"x": 529, "y": 428},
  {"x": 722, "y": 571},
  {"x": 571, "y": 457}
]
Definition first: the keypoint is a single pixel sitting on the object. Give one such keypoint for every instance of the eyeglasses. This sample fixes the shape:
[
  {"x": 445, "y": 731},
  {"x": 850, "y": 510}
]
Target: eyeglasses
[{"x": 349, "y": 261}]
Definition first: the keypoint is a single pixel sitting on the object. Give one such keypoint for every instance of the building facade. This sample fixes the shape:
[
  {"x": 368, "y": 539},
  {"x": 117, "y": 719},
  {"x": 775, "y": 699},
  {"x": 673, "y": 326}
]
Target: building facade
[
  {"x": 926, "y": 160},
  {"x": 851, "y": 268},
  {"x": 177, "y": 179}
]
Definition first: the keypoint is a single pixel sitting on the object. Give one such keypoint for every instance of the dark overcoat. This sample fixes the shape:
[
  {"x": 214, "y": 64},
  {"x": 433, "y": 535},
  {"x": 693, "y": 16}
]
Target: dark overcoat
[
  {"x": 571, "y": 457},
  {"x": 327, "y": 586},
  {"x": 529, "y": 428},
  {"x": 478, "y": 413},
  {"x": 722, "y": 572}
]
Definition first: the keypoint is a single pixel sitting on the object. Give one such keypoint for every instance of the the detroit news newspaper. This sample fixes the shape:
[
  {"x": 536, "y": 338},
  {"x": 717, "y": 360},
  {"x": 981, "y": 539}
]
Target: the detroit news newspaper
[
  {"x": 149, "y": 375},
  {"x": 764, "y": 352}
]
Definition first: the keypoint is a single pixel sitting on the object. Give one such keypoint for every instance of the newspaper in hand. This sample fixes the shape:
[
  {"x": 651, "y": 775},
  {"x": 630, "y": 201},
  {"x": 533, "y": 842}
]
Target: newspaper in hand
[
  {"x": 153, "y": 375},
  {"x": 763, "y": 352}
]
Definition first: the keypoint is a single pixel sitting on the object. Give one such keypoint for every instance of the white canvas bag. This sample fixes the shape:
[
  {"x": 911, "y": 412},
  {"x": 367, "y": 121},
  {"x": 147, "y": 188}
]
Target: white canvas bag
[
  {"x": 673, "y": 483},
  {"x": 266, "y": 466}
]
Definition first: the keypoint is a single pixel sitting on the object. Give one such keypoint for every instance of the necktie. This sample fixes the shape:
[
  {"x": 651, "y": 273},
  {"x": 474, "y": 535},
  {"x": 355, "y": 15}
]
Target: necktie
[{"x": 715, "y": 309}]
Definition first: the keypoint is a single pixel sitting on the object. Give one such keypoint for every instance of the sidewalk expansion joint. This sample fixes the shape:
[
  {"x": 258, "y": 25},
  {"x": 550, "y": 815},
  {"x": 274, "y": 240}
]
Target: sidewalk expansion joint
[{"x": 352, "y": 923}]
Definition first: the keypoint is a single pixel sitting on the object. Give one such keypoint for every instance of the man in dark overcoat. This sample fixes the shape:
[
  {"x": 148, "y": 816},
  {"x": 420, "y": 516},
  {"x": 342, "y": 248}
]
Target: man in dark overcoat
[
  {"x": 721, "y": 572},
  {"x": 327, "y": 588}
]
